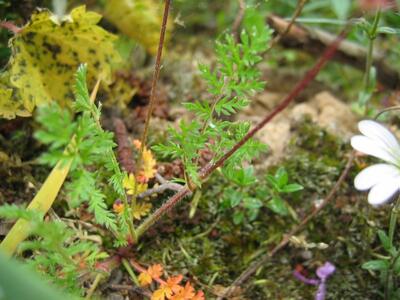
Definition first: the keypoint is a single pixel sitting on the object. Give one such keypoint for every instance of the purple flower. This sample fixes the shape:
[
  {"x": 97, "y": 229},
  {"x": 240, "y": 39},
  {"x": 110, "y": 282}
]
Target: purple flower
[{"x": 323, "y": 273}]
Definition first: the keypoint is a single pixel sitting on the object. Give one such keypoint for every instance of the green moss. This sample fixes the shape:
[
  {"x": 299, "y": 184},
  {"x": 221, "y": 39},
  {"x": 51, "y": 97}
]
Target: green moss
[
  {"x": 212, "y": 249},
  {"x": 316, "y": 157}
]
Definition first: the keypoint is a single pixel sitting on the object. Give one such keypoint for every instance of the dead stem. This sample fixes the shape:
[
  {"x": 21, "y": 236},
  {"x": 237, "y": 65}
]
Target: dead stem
[{"x": 160, "y": 189}]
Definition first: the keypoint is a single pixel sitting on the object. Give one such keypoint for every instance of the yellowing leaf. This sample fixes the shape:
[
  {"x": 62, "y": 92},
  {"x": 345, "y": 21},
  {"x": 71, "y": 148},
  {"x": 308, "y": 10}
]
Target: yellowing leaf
[
  {"x": 120, "y": 92},
  {"x": 152, "y": 272},
  {"x": 148, "y": 167},
  {"x": 139, "y": 19},
  {"x": 145, "y": 279},
  {"x": 46, "y": 53},
  {"x": 140, "y": 210},
  {"x": 129, "y": 183},
  {"x": 185, "y": 293},
  {"x": 162, "y": 293},
  {"x": 173, "y": 283},
  {"x": 155, "y": 271},
  {"x": 118, "y": 207},
  {"x": 41, "y": 202},
  {"x": 10, "y": 104}
]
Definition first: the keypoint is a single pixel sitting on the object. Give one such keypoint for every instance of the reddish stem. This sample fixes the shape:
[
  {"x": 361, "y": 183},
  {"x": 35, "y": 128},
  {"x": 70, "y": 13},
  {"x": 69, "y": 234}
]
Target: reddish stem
[
  {"x": 10, "y": 26},
  {"x": 156, "y": 74}
]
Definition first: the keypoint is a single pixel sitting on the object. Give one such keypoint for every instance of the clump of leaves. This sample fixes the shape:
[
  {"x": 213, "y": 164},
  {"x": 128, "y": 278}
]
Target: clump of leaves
[
  {"x": 268, "y": 193},
  {"x": 279, "y": 185},
  {"x": 82, "y": 140},
  {"x": 57, "y": 253},
  {"x": 49, "y": 48},
  {"x": 230, "y": 83},
  {"x": 171, "y": 288}
]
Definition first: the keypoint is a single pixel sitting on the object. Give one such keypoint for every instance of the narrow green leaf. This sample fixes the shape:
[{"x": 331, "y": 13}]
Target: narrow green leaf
[
  {"x": 291, "y": 188},
  {"x": 376, "y": 265},
  {"x": 277, "y": 205}
]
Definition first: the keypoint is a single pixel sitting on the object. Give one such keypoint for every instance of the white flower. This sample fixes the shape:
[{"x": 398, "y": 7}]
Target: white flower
[{"x": 383, "y": 180}]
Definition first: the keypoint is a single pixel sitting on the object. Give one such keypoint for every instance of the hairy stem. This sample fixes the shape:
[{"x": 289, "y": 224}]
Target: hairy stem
[{"x": 156, "y": 75}]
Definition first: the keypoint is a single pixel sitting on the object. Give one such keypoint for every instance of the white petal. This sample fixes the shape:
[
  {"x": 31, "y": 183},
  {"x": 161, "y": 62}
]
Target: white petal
[
  {"x": 371, "y": 147},
  {"x": 375, "y": 174},
  {"x": 384, "y": 191},
  {"x": 378, "y": 132}
]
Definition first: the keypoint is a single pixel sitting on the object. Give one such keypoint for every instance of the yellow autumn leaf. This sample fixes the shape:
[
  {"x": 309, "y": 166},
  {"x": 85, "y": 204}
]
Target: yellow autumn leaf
[
  {"x": 46, "y": 53},
  {"x": 145, "y": 279},
  {"x": 140, "y": 210},
  {"x": 139, "y": 19},
  {"x": 148, "y": 163},
  {"x": 121, "y": 93},
  {"x": 152, "y": 272},
  {"x": 164, "y": 292},
  {"x": 129, "y": 183},
  {"x": 10, "y": 103}
]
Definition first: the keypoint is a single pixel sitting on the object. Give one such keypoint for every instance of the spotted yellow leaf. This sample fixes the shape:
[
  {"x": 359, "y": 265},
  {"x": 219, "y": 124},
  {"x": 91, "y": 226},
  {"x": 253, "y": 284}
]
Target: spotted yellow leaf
[
  {"x": 10, "y": 104},
  {"x": 139, "y": 19},
  {"x": 46, "y": 53}
]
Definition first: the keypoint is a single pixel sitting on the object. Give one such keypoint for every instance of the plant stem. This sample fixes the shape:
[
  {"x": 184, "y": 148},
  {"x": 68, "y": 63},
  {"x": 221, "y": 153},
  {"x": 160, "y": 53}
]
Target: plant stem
[
  {"x": 392, "y": 228},
  {"x": 130, "y": 271},
  {"x": 154, "y": 81},
  {"x": 169, "y": 204},
  {"x": 368, "y": 64},
  {"x": 156, "y": 75},
  {"x": 393, "y": 221},
  {"x": 94, "y": 286},
  {"x": 238, "y": 19},
  {"x": 296, "y": 14}
]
